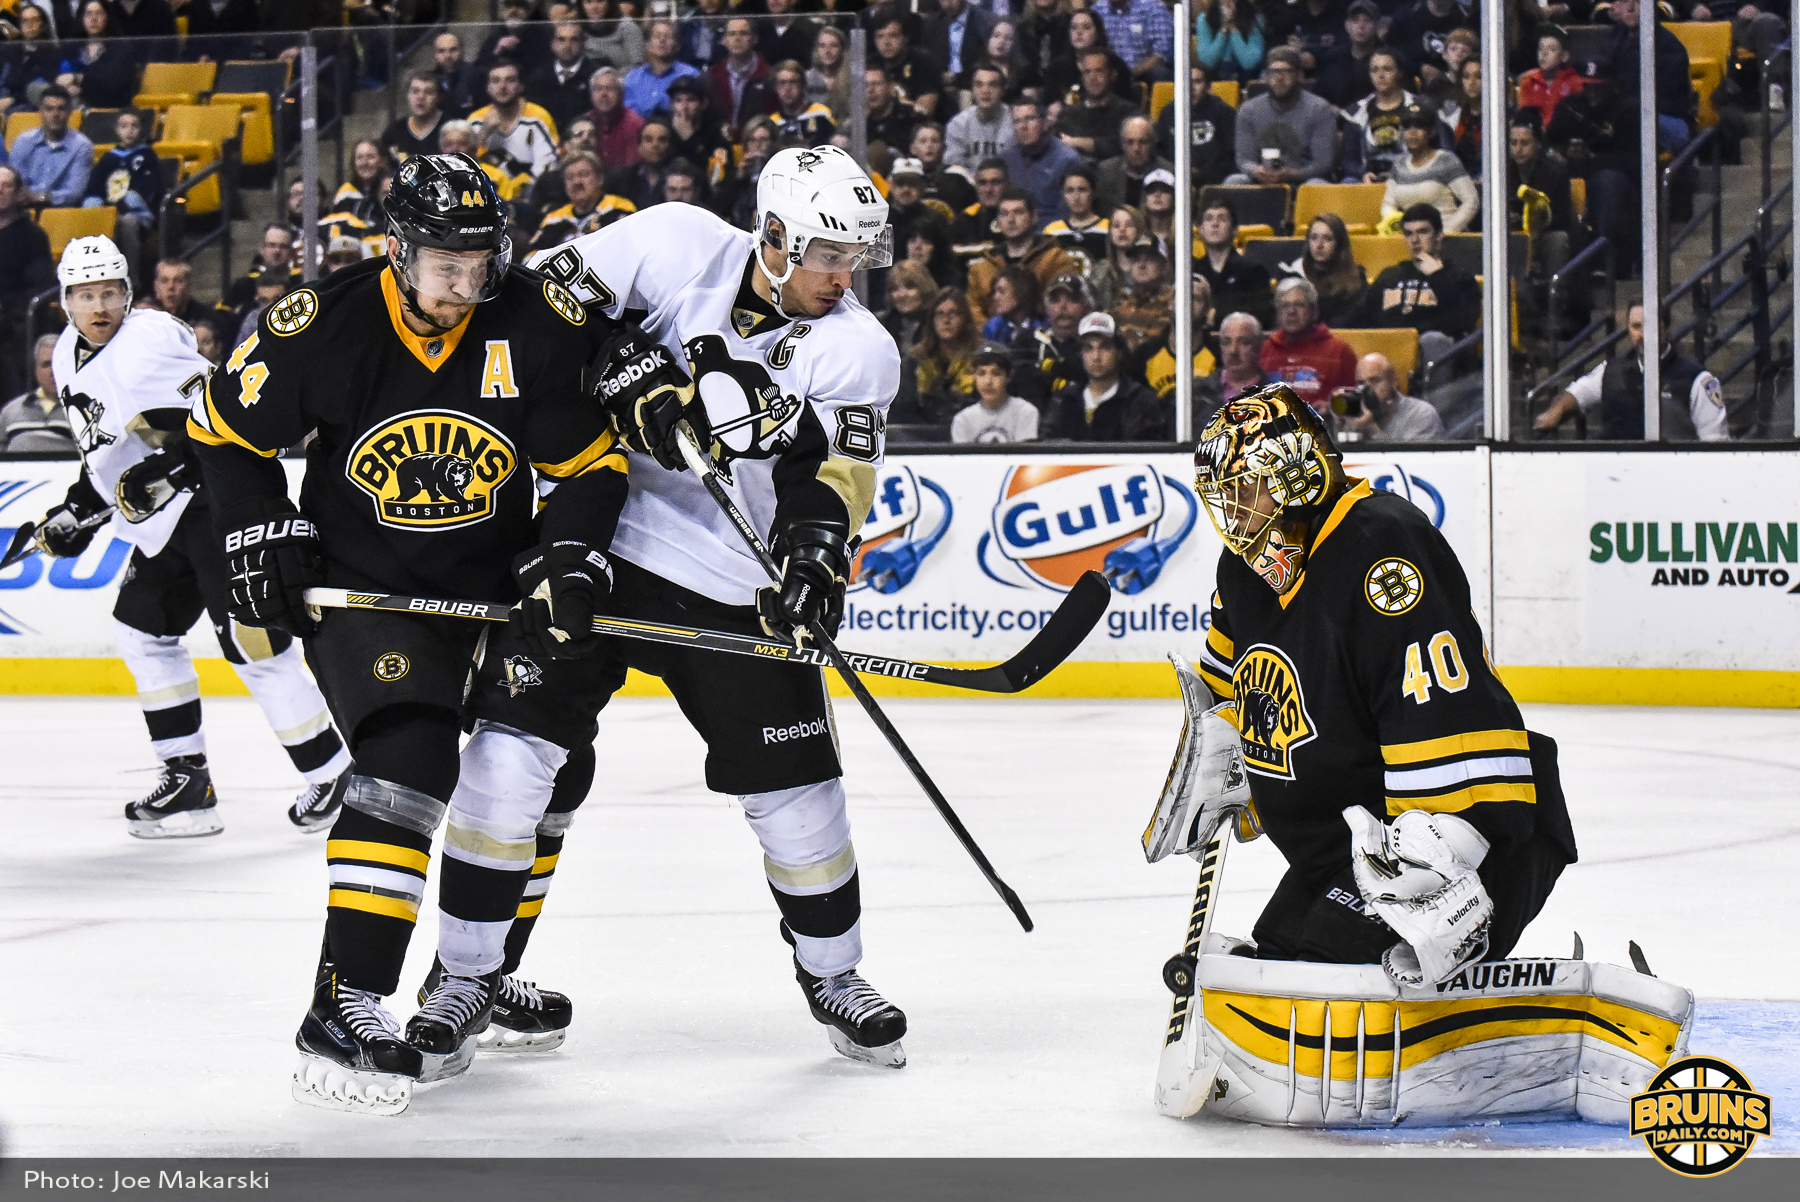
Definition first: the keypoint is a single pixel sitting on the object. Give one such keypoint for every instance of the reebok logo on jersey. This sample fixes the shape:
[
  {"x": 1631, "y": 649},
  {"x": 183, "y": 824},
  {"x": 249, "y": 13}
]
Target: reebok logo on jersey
[
  {"x": 431, "y": 469},
  {"x": 799, "y": 730}
]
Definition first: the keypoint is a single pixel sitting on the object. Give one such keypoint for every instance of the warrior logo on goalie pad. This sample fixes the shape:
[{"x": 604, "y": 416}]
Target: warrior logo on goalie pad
[{"x": 1274, "y": 718}]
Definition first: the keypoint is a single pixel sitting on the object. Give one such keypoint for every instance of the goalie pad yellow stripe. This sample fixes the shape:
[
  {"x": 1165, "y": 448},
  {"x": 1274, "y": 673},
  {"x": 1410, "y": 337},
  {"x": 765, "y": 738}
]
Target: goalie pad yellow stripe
[
  {"x": 1468, "y": 743},
  {"x": 1462, "y": 799}
]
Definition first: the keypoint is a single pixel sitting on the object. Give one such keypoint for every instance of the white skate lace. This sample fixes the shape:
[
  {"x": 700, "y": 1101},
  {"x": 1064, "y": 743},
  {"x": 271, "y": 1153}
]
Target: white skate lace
[
  {"x": 314, "y": 798},
  {"x": 849, "y": 995},
  {"x": 366, "y": 1017},
  {"x": 455, "y": 1001},
  {"x": 515, "y": 992}
]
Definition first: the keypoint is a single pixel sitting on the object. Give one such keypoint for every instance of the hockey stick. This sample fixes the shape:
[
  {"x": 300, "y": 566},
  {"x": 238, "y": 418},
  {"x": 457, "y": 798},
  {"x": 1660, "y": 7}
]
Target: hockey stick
[
  {"x": 22, "y": 547},
  {"x": 704, "y": 470},
  {"x": 1060, "y": 635},
  {"x": 1185, "y": 1073}
]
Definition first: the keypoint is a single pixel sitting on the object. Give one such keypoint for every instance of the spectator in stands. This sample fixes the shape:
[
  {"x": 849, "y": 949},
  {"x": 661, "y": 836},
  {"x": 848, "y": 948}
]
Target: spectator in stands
[
  {"x": 997, "y": 416},
  {"x": 906, "y": 201},
  {"x": 890, "y": 120},
  {"x": 35, "y": 420},
  {"x": 1141, "y": 311},
  {"x": 516, "y": 136},
  {"x": 1419, "y": 33},
  {"x": 1240, "y": 358},
  {"x": 1393, "y": 416},
  {"x": 1427, "y": 293},
  {"x": 1530, "y": 164},
  {"x": 276, "y": 260},
  {"x": 1091, "y": 126},
  {"x": 1020, "y": 243},
  {"x": 590, "y": 207},
  {"x": 1063, "y": 75},
  {"x": 458, "y": 137},
  {"x": 1286, "y": 135},
  {"x": 1460, "y": 45},
  {"x": 696, "y": 138},
  {"x": 956, "y": 35},
  {"x": 917, "y": 77},
  {"x": 1042, "y": 32},
  {"x": 1004, "y": 52},
  {"x": 974, "y": 231},
  {"x": 1051, "y": 360},
  {"x": 736, "y": 196},
  {"x": 343, "y": 251},
  {"x": 53, "y": 159},
  {"x": 105, "y": 69},
  {"x": 1012, "y": 301},
  {"x": 1341, "y": 283},
  {"x": 954, "y": 188},
  {"x": 1372, "y": 142},
  {"x": 173, "y": 291},
  {"x": 910, "y": 294},
  {"x": 1036, "y": 161},
  {"x": 1214, "y": 131},
  {"x": 129, "y": 178},
  {"x": 293, "y": 212},
  {"x": 702, "y": 39},
  {"x": 1238, "y": 285},
  {"x": 1610, "y": 398},
  {"x": 1081, "y": 230},
  {"x": 268, "y": 285},
  {"x": 560, "y": 86},
  {"x": 1427, "y": 175},
  {"x": 1342, "y": 75},
  {"x": 801, "y": 122},
  {"x": 1303, "y": 352},
  {"x": 928, "y": 244},
  {"x": 647, "y": 84},
  {"x": 417, "y": 132},
  {"x": 1154, "y": 362},
  {"x": 33, "y": 62},
  {"x": 682, "y": 183},
  {"x": 357, "y": 195},
  {"x": 1107, "y": 407},
  {"x": 456, "y": 81},
  {"x": 983, "y": 130},
  {"x": 641, "y": 183},
  {"x": 1228, "y": 38},
  {"x": 828, "y": 75},
  {"x": 1674, "y": 93},
  {"x": 143, "y": 19},
  {"x": 1159, "y": 210},
  {"x": 1120, "y": 179},
  {"x": 1312, "y": 29},
  {"x": 1544, "y": 87},
  {"x": 212, "y": 337},
  {"x": 942, "y": 371},
  {"x": 518, "y": 40},
  {"x": 735, "y": 96},
  {"x": 1460, "y": 124},
  {"x": 1142, "y": 33},
  {"x": 616, "y": 127},
  {"x": 785, "y": 35}
]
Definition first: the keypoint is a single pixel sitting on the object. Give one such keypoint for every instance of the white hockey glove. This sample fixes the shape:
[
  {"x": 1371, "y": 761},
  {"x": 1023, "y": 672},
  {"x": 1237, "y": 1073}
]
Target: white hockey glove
[
  {"x": 1418, "y": 873},
  {"x": 1207, "y": 783}
]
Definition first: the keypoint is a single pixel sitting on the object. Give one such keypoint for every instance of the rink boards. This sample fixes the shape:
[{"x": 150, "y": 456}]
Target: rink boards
[{"x": 1644, "y": 577}]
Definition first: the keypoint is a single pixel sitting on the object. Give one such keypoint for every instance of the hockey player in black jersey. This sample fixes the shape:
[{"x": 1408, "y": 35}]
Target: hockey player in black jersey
[
  {"x": 434, "y": 382},
  {"x": 1423, "y": 826}
]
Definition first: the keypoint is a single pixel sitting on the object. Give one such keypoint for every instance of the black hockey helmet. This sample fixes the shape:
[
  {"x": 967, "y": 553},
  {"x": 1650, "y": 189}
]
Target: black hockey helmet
[{"x": 440, "y": 208}]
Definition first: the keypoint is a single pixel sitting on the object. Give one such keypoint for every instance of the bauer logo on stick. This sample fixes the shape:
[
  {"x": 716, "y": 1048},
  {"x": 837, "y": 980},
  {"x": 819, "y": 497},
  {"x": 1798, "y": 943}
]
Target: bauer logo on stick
[{"x": 1700, "y": 1116}]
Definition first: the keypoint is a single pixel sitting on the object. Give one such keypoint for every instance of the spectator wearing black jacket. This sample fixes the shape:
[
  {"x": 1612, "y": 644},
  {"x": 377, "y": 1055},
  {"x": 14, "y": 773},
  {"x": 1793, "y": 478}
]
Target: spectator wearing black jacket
[
  {"x": 1311, "y": 28},
  {"x": 520, "y": 40},
  {"x": 560, "y": 86},
  {"x": 891, "y": 121},
  {"x": 641, "y": 183},
  {"x": 918, "y": 77},
  {"x": 460, "y": 86},
  {"x": 1674, "y": 94},
  {"x": 1238, "y": 285},
  {"x": 784, "y": 35},
  {"x": 1109, "y": 407},
  {"x": 1342, "y": 76},
  {"x": 1090, "y": 126},
  {"x": 1214, "y": 131},
  {"x": 26, "y": 269},
  {"x": 1427, "y": 293},
  {"x": 107, "y": 67},
  {"x": 143, "y": 18},
  {"x": 956, "y": 35},
  {"x": 1063, "y": 75},
  {"x": 417, "y": 132},
  {"x": 1419, "y": 32}
]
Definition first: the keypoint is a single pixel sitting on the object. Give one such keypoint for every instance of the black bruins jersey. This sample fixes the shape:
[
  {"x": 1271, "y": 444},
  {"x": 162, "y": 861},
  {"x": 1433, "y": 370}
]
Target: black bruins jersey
[
  {"x": 420, "y": 477},
  {"x": 1367, "y": 683}
]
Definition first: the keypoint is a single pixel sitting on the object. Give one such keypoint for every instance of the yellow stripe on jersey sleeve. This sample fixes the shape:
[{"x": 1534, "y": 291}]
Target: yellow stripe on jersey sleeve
[
  {"x": 1462, "y": 799},
  {"x": 1467, "y": 743},
  {"x": 218, "y": 432},
  {"x": 604, "y": 451},
  {"x": 1218, "y": 684},
  {"x": 1222, "y": 646}
]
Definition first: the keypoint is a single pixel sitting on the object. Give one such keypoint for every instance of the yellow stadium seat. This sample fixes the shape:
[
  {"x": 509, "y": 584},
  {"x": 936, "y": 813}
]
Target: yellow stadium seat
[
  {"x": 1378, "y": 252},
  {"x": 18, "y": 122},
  {"x": 1162, "y": 95},
  {"x": 167, "y": 84},
  {"x": 196, "y": 134},
  {"x": 1703, "y": 39},
  {"x": 66, "y": 225},
  {"x": 1226, "y": 90},
  {"x": 1578, "y": 198},
  {"x": 1706, "y": 74},
  {"x": 1401, "y": 346},
  {"x": 259, "y": 134},
  {"x": 1358, "y": 204}
]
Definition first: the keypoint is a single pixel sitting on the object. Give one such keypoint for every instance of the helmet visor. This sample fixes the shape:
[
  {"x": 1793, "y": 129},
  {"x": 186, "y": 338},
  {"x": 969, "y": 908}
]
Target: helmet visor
[
  {"x": 93, "y": 300},
  {"x": 830, "y": 257},
  {"x": 458, "y": 277}
]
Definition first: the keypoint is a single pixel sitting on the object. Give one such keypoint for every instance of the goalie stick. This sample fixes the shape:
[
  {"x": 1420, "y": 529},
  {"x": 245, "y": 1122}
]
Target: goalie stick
[
  {"x": 1185, "y": 1073},
  {"x": 703, "y": 468},
  {"x": 1077, "y": 614}
]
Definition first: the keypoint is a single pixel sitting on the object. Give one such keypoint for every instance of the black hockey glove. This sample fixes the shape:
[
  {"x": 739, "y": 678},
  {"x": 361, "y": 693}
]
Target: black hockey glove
[
  {"x": 815, "y": 566},
  {"x": 648, "y": 393},
  {"x": 272, "y": 557},
  {"x": 562, "y": 584},
  {"x": 155, "y": 480},
  {"x": 64, "y": 533}
]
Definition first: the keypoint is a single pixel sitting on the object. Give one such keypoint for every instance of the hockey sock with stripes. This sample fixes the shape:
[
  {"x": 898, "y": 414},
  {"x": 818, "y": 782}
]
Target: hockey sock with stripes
[
  {"x": 293, "y": 705},
  {"x": 168, "y": 690},
  {"x": 573, "y": 782},
  {"x": 811, "y": 868}
]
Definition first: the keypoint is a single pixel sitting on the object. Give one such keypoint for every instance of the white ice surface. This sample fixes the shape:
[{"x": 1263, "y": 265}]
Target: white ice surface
[{"x": 154, "y": 988}]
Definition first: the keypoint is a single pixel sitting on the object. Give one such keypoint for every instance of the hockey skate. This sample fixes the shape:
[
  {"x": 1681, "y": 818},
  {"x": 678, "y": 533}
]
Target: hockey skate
[
  {"x": 351, "y": 1054},
  {"x": 525, "y": 1019},
  {"x": 455, "y": 1010},
  {"x": 862, "y": 1024},
  {"x": 182, "y": 806},
  {"x": 318, "y": 805}
]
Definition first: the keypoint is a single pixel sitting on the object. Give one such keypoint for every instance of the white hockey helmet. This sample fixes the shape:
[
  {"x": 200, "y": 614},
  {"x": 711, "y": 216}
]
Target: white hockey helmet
[
  {"x": 832, "y": 217},
  {"x": 91, "y": 260}
]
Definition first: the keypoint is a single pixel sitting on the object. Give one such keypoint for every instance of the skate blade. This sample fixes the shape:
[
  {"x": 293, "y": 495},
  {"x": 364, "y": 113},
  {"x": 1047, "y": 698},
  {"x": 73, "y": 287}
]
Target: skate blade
[
  {"x": 330, "y": 1086},
  {"x": 439, "y": 1069},
  {"x": 888, "y": 1055},
  {"x": 314, "y": 828},
  {"x": 500, "y": 1039},
  {"x": 185, "y": 824}
]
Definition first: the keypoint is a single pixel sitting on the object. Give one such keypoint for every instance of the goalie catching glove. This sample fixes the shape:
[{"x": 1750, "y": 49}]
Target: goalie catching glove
[
  {"x": 649, "y": 394},
  {"x": 1207, "y": 784},
  {"x": 272, "y": 558},
  {"x": 563, "y": 583},
  {"x": 1418, "y": 873},
  {"x": 64, "y": 532},
  {"x": 153, "y": 481},
  {"x": 815, "y": 567}
]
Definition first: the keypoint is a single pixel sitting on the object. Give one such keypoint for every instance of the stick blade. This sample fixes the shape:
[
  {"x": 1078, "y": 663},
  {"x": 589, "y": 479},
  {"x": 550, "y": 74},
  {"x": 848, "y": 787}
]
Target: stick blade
[
  {"x": 17, "y": 549},
  {"x": 1078, "y": 614}
]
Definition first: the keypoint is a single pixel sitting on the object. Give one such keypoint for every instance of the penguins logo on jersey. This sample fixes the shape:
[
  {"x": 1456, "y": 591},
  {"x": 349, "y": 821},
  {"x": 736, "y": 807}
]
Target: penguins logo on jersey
[
  {"x": 1273, "y": 713},
  {"x": 431, "y": 469},
  {"x": 92, "y": 437},
  {"x": 751, "y": 418},
  {"x": 521, "y": 674}
]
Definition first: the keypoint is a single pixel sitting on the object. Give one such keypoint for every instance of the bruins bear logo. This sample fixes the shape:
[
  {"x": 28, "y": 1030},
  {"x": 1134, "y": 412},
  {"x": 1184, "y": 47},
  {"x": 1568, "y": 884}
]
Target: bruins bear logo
[
  {"x": 431, "y": 469},
  {"x": 1273, "y": 718},
  {"x": 751, "y": 418}
]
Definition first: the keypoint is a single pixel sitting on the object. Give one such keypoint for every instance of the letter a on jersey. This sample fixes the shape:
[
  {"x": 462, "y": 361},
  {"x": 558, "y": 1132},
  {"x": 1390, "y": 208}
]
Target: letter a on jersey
[
  {"x": 1272, "y": 710},
  {"x": 497, "y": 373}
]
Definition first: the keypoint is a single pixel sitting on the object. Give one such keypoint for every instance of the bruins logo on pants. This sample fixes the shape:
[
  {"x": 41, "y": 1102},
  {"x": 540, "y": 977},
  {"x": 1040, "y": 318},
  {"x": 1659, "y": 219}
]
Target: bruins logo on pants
[
  {"x": 432, "y": 469},
  {"x": 1274, "y": 719}
]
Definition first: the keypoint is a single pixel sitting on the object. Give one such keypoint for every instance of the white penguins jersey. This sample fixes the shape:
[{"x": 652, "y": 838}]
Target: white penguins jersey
[
  {"x": 151, "y": 363},
  {"x": 789, "y": 401}
]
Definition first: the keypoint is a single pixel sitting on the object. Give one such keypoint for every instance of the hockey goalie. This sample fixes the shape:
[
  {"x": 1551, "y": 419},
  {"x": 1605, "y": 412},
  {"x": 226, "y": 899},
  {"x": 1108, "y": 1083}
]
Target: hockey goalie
[{"x": 1344, "y": 706}]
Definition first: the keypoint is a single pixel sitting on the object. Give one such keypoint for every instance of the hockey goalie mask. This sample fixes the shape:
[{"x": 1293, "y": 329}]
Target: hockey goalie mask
[
  {"x": 822, "y": 212},
  {"x": 1265, "y": 467}
]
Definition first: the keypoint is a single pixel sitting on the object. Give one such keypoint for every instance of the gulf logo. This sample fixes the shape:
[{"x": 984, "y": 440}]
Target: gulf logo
[
  {"x": 1053, "y": 522},
  {"x": 890, "y": 554},
  {"x": 1392, "y": 477}
]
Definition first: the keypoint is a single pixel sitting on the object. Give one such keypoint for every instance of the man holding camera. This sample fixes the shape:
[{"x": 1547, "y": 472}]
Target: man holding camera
[{"x": 1377, "y": 409}]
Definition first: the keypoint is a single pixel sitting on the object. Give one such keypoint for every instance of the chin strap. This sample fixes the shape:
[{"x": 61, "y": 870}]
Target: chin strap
[{"x": 774, "y": 282}]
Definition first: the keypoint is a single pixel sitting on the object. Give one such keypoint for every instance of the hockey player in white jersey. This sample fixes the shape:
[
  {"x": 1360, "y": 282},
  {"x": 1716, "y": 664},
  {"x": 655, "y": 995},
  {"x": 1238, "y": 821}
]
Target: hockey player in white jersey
[
  {"x": 127, "y": 378},
  {"x": 791, "y": 378}
]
